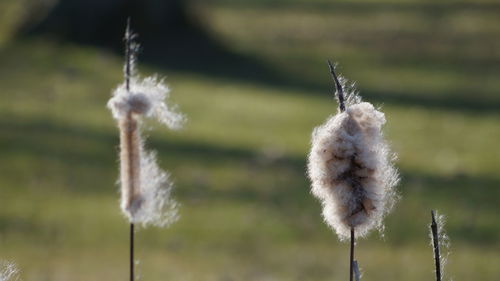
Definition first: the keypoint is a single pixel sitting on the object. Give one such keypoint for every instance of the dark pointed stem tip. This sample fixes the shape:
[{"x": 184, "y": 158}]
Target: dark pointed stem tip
[
  {"x": 127, "y": 29},
  {"x": 128, "y": 37},
  {"x": 338, "y": 87},
  {"x": 435, "y": 242},
  {"x": 130, "y": 52}
]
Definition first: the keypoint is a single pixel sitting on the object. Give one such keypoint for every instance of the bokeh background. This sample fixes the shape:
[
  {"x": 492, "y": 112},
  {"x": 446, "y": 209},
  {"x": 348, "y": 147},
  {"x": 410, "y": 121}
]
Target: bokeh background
[{"x": 251, "y": 77}]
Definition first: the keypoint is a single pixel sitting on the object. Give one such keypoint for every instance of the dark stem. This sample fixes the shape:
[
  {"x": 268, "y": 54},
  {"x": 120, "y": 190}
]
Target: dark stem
[
  {"x": 128, "y": 54},
  {"x": 435, "y": 242},
  {"x": 351, "y": 259},
  {"x": 338, "y": 87},
  {"x": 132, "y": 277}
]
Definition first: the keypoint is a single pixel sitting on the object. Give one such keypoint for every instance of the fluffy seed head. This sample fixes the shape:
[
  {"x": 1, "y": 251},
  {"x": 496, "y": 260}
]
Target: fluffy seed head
[
  {"x": 145, "y": 188},
  {"x": 8, "y": 271},
  {"x": 146, "y": 97},
  {"x": 157, "y": 206},
  {"x": 351, "y": 170}
]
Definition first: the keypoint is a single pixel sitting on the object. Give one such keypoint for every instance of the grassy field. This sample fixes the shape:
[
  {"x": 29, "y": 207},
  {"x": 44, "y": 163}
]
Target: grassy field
[{"x": 239, "y": 164}]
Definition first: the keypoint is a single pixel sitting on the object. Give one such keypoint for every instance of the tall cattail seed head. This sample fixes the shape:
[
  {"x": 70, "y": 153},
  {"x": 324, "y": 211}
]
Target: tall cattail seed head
[
  {"x": 145, "y": 188},
  {"x": 351, "y": 170}
]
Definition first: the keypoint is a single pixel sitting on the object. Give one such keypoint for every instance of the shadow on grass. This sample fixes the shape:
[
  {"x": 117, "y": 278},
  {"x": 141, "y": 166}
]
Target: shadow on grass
[
  {"x": 184, "y": 45},
  {"x": 428, "y": 8},
  {"x": 174, "y": 37},
  {"x": 454, "y": 101},
  {"x": 278, "y": 184}
]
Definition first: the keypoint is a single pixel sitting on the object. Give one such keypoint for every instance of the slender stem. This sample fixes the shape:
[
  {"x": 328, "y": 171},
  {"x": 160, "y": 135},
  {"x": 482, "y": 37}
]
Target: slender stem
[
  {"x": 132, "y": 277},
  {"x": 435, "y": 241},
  {"x": 351, "y": 259},
  {"x": 340, "y": 96},
  {"x": 128, "y": 54},
  {"x": 338, "y": 87}
]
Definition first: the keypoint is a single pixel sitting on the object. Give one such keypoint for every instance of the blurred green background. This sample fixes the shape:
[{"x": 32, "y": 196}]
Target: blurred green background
[{"x": 251, "y": 77}]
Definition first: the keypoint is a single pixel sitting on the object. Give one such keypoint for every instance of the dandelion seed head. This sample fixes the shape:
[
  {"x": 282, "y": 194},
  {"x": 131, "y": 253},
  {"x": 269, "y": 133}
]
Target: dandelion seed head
[
  {"x": 8, "y": 271},
  {"x": 351, "y": 169}
]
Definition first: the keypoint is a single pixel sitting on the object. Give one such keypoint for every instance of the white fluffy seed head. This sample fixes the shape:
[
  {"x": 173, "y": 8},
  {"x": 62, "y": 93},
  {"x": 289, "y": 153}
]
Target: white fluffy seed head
[
  {"x": 351, "y": 170},
  {"x": 157, "y": 206},
  {"x": 147, "y": 97},
  {"x": 8, "y": 271},
  {"x": 145, "y": 188}
]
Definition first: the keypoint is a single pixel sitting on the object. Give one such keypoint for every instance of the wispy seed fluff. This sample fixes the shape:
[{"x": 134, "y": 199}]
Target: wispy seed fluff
[
  {"x": 444, "y": 241},
  {"x": 145, "y": 188},
  {"x": 8, "y": 271},
  {"x": 350, "y": 166}
]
